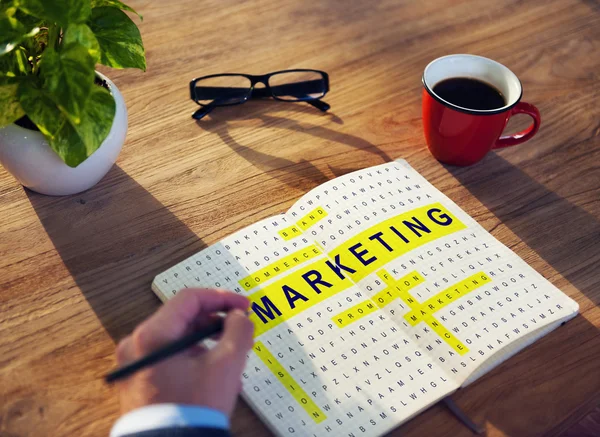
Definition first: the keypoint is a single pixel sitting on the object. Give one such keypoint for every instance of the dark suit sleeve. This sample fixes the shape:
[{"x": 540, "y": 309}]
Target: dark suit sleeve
[{"x": 182, "y": 432}]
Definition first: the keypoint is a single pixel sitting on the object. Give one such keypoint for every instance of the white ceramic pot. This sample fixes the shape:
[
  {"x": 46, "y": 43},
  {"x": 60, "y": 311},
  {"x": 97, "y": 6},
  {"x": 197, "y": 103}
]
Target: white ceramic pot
[{"x": 28, "y": 157}]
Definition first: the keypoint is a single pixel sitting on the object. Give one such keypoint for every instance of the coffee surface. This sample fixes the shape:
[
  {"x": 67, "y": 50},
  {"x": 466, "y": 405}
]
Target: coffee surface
[{"x": 470, "y": 93}]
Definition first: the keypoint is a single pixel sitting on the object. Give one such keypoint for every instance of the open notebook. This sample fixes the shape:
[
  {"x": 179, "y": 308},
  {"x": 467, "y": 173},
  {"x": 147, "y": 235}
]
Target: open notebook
[{"x": 373, "y": 297}]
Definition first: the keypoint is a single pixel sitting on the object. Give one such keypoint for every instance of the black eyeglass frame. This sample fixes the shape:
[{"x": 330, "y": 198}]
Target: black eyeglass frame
[{"x": 267, "y": 91}]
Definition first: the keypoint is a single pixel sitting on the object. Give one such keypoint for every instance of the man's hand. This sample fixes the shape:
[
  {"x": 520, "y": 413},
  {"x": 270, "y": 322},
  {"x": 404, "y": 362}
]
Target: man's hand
[{"x": 198, "y": 376}]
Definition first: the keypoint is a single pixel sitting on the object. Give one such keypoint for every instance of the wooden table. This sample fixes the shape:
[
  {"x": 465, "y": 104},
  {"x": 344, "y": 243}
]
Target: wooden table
[{"x": 76, "y": 271}]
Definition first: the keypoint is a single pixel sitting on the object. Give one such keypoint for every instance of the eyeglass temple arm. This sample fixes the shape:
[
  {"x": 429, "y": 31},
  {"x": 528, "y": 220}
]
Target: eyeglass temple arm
[
  {"x": 319, "y": 104},
  {"x": 203, "y": 112}
]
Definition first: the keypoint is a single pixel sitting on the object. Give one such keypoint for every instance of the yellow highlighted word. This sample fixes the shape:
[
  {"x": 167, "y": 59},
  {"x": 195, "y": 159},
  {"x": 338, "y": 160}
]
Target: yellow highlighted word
[
  {"x": 401, "y": 234},
  {"x": 289, "y": 383},
  {"x": 311, "y": 218},
  {"x": 355, "y": 313},
  {"x": 394, "y": 290},
  {"x": 280, "y": 266},
  {"x": 290, "y": 232},
  {"x": 446, "y": 297}
]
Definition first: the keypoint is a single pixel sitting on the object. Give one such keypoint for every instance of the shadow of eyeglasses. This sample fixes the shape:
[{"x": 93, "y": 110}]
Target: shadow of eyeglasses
[{"x": 304, "y": 174}]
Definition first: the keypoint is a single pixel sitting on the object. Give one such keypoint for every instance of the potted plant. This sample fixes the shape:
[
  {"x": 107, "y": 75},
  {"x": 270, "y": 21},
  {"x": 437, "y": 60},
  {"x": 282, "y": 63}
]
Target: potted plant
[{"x": 62, "y": 124}]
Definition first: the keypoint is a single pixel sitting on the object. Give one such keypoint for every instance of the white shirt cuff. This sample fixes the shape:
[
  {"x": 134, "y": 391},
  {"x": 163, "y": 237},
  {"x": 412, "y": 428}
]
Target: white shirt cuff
[{"x": 168, "y": 416}]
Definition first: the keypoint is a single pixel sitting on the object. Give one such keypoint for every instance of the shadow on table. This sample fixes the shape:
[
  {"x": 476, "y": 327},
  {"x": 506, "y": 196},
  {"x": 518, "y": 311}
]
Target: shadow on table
[
  {"x": 565, "y": 235},
  {"x": 301, "y": 175},
  {"x": 593, "y": 4},
  {"x": 113, "y": 239}
]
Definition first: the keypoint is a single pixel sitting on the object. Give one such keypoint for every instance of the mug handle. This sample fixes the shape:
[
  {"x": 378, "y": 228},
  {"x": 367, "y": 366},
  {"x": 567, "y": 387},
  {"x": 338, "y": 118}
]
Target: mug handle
[{"x": 524, "y": 135}]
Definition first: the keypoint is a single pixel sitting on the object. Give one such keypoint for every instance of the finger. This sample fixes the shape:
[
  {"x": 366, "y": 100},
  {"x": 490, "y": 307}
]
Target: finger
[
  {"x": 175, "y": 318},
  {"x": 184, "y": 309},
  {"x": 125, "y": 353},
  {"x": 197, "y": 350},
  {"x": 237, "y": 337},
  {"x": 205, "y": 320}
]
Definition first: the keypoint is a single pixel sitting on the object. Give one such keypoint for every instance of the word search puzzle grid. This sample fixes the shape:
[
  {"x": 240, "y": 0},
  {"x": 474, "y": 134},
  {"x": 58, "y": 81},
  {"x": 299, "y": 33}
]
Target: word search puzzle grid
[{"x": 373, "y": 297}]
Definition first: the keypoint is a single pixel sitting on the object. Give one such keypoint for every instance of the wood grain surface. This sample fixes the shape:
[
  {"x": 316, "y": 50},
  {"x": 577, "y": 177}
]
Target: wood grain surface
[{"x": 75, "y": 272}]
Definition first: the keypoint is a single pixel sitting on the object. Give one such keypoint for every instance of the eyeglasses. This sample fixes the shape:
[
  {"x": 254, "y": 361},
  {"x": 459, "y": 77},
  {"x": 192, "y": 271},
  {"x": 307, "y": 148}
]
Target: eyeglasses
[{"x": 233, "y": 89}]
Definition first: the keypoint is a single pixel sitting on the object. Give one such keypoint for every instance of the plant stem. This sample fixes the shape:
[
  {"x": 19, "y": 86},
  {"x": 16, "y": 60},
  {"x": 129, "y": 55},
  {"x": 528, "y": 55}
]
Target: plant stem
[{"x": 53, "y": 35}]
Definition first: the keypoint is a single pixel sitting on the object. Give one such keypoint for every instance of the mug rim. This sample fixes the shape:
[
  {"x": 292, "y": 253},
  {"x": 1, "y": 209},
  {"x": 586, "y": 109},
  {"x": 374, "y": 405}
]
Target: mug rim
[{"x": 469, "y": 110}]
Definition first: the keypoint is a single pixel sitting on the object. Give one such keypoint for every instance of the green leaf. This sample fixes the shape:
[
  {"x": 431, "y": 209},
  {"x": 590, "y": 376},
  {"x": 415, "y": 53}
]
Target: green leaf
[
  {"x": 81, "y": 34},
  {"x": 10, "y": 107},
  {"x": 96, "y": 120},
  {"x": 72, "y": 143},
  {"x": 12, "y": 32},
  {"x": 41, "y": 109},
  {"x": 68, "y": 76},
  {"x": 14, "y": 64},
  {"x": 115, "y": 4},
  {"x": 119, "y": 38},
  {"x": 63, "y": 12},
  {"x": 29, "y": 21}
]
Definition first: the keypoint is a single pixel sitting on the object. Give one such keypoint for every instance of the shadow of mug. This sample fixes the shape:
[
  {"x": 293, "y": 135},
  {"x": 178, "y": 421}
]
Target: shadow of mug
[{"x": 565, "y": 235}]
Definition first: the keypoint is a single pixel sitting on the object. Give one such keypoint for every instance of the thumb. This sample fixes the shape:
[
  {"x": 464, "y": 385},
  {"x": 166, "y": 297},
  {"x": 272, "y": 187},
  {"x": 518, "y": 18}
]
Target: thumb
[{"x": 237, "y": 337}]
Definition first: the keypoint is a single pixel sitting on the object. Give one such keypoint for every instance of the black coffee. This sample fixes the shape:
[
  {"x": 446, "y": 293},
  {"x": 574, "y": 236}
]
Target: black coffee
[{"x": 470, "y": 93}]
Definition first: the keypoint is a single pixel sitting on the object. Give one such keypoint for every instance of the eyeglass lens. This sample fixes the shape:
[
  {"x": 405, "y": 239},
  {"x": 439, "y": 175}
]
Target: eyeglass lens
[
  {"x": 298, "y": 85},
  {"x": 231, "y": 89},
  {"x": 222, "y": 90}
]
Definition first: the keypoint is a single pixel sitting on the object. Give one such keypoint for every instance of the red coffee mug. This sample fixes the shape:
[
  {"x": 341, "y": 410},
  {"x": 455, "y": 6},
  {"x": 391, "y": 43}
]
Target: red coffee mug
[{"x": 462, "y": 136}]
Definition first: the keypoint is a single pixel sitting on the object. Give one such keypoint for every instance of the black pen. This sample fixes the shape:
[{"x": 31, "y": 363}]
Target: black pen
[{"x": 166, "y": 351}]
